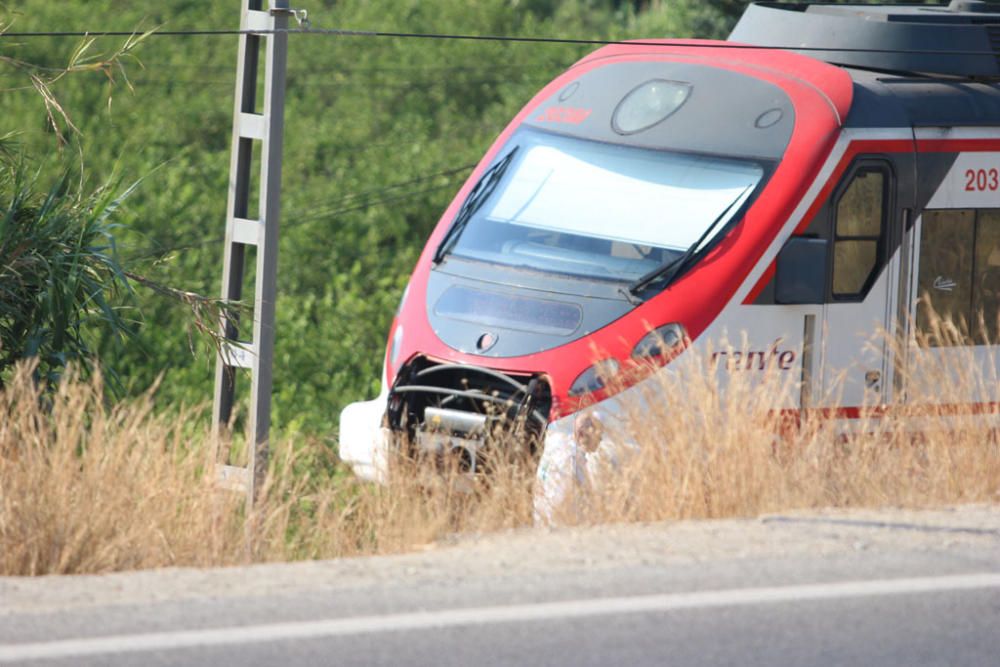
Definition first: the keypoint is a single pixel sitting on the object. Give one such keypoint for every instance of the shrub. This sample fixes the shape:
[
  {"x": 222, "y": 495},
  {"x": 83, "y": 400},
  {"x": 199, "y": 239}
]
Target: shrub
[{"x": 62, "y": 289}]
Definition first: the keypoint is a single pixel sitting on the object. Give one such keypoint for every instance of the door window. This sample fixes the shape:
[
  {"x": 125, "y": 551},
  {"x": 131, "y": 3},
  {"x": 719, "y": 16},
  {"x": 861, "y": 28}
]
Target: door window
[{"x": 858, "y": 234}]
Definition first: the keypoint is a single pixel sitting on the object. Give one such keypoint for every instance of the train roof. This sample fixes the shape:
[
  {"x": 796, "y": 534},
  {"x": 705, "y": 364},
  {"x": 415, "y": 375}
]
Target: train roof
[
  {"x": 919, "y": 65},
  {"x": 887, "y": 100},
  {"x": 961, "y": 39}
]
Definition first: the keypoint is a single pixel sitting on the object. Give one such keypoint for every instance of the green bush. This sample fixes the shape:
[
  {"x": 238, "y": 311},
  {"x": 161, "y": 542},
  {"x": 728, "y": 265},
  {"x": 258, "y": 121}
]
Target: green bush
[{"x": 62, "y": 289}]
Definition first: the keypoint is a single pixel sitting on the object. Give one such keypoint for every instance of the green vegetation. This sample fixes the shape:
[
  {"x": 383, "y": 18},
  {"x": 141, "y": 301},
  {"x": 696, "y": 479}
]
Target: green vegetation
[
  {"x": 380, "y": 134},
  {"x": 60, "y": 281}
]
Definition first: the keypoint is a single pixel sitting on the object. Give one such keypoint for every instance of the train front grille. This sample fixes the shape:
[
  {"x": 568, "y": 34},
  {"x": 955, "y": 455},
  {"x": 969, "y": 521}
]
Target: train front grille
[{"x": 473, "y": 412}]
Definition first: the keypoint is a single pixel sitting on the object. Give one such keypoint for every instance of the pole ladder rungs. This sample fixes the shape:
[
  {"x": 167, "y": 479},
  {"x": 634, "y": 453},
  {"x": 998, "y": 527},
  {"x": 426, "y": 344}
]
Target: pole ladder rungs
[
  {"x": 259, "y": 20},
  {"x": 246, "y": 231},
  {"x": 238, "y": 354},
  {"x": 232, "y": 478},
  {"x": 263, "y": 50},
  {"x": 252, "y": 125}
]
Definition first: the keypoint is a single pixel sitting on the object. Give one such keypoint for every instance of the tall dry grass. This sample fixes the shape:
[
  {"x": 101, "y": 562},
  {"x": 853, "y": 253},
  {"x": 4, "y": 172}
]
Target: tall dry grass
[
  {"x": 699, "y": 443},
  {"x": 86, "y": 488},
  {"x": 89, "y": 488}
]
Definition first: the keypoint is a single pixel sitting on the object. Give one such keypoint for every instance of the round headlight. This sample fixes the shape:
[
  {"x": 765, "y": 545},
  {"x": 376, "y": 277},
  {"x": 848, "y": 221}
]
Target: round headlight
[
  {"x": 594, "y": 378},
  {"x": 588, "y": 430},
  {"x": 649, "y": 104},
  {"x": 660, "y": 342}
]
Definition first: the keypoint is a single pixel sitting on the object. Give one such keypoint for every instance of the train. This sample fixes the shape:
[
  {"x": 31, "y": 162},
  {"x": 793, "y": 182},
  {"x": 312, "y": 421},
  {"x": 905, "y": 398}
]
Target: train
[{"x": 827, "y": 172}]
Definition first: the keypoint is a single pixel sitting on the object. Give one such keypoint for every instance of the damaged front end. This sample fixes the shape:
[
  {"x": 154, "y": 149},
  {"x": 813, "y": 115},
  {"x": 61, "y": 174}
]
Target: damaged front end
[
  {"x": 466, "y": 414},
  {"x": 466, "y": 418}
]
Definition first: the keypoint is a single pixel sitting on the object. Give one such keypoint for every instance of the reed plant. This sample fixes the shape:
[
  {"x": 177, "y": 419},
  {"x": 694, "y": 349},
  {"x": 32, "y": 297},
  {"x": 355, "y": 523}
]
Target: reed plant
[{"x": 63, "y": 291}]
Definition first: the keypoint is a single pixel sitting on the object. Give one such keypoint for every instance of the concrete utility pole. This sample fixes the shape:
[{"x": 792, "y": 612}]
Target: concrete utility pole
[{"x": 256, "y": 229}]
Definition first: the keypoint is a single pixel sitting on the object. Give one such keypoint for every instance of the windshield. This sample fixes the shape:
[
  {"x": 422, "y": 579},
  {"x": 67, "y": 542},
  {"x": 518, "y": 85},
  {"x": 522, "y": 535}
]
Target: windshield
[{"x": 580, "y": 207}]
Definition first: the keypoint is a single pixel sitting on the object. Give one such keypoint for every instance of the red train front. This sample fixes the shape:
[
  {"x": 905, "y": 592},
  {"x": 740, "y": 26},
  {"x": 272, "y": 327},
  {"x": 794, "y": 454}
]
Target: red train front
[{"x": 619, "y": 212}]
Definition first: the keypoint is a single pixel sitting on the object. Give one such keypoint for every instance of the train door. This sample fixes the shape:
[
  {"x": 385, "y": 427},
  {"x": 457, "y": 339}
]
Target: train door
[
  {"x": 858, "y": 316},
  {"x": 955, "y": 284}
]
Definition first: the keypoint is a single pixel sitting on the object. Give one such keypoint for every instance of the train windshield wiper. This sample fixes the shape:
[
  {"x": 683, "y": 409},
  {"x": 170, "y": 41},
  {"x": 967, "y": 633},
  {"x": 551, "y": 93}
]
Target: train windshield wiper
[
  {"x": 480, "y": 193},
  {"x": 670, "y": 270}
]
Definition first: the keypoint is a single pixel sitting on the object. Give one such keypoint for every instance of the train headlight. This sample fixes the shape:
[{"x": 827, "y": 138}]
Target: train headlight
[
  {"x": 397, "y": 335},
  {"x": 660, "y": 342},
  {"x": 396, "y": 345},
  {"x": 588, "y": 430},
  {"x": 651, "y": 103},
  {"x": 594, "y": 378},
  {"x": 402, "y": 299}
]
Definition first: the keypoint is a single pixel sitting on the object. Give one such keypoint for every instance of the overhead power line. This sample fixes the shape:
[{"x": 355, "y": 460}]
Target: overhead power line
[
  {"x": 161, "y": 252},
  {"x": 335, "y": 32},
  {"x": 374, "y": 69},
  {"x": 320, "y": 210},
  {"x": 316, "y": 207},
  {"x": 398, "y": 84}
]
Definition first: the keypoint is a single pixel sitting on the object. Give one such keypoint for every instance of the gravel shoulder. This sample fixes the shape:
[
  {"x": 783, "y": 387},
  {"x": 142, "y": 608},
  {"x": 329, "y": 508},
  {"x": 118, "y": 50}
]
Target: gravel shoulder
[{"x": 968, "y": 535}]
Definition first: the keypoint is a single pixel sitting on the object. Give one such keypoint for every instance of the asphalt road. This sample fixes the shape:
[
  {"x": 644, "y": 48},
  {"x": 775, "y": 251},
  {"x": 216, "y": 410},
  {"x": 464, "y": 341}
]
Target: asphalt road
[{"x": 919, "y": 589}]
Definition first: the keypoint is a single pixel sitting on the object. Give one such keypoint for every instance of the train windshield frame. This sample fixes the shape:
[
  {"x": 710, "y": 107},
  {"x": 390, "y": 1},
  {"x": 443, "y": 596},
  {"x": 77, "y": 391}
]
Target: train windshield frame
[{"x": 596, "y": 210}]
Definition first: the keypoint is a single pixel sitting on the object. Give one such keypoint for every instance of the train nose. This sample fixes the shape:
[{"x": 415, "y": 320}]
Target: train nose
[{"x": 441, "y": 410}]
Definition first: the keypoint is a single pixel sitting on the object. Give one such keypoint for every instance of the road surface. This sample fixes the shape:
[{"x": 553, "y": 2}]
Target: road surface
[{"x": 862, "y": 588}]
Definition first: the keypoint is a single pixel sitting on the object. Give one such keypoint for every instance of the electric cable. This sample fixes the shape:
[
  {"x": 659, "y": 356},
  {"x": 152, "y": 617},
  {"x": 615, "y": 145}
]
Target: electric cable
[
  {"x": 295, "y": 216},
  {"x": 160, "y": 253},
  {"x": 392, "y": 186},
  {"x": 391, "y": 85},
  {"x": 336, "y": 32}
]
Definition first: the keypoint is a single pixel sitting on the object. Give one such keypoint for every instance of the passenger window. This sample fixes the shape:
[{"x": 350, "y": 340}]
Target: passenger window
[
  {"x": 959, "y": 276},
  {"x": 858, "y": 234},
  {"x": 944, "y": 281},
  {"x": 986, "y": 278}
]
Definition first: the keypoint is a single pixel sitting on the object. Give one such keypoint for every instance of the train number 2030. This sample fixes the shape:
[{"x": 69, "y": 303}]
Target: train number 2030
[{"x": 980, "y": 180}]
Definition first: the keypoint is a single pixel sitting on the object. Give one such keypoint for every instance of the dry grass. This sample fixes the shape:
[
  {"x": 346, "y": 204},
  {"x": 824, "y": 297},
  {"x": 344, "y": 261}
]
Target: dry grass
[
  {"x": 686, "y": 450},
  {"x": 84, "y": 488},
  {"x": 88, "y": 489}
]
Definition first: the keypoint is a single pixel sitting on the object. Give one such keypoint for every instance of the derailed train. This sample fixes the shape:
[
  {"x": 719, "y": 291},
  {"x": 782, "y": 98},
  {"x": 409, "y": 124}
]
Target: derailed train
[{"x": 660, "y": 195}]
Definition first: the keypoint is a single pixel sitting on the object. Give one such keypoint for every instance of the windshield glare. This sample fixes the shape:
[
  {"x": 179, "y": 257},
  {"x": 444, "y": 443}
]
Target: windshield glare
[{"x": 581, "y": 207}]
